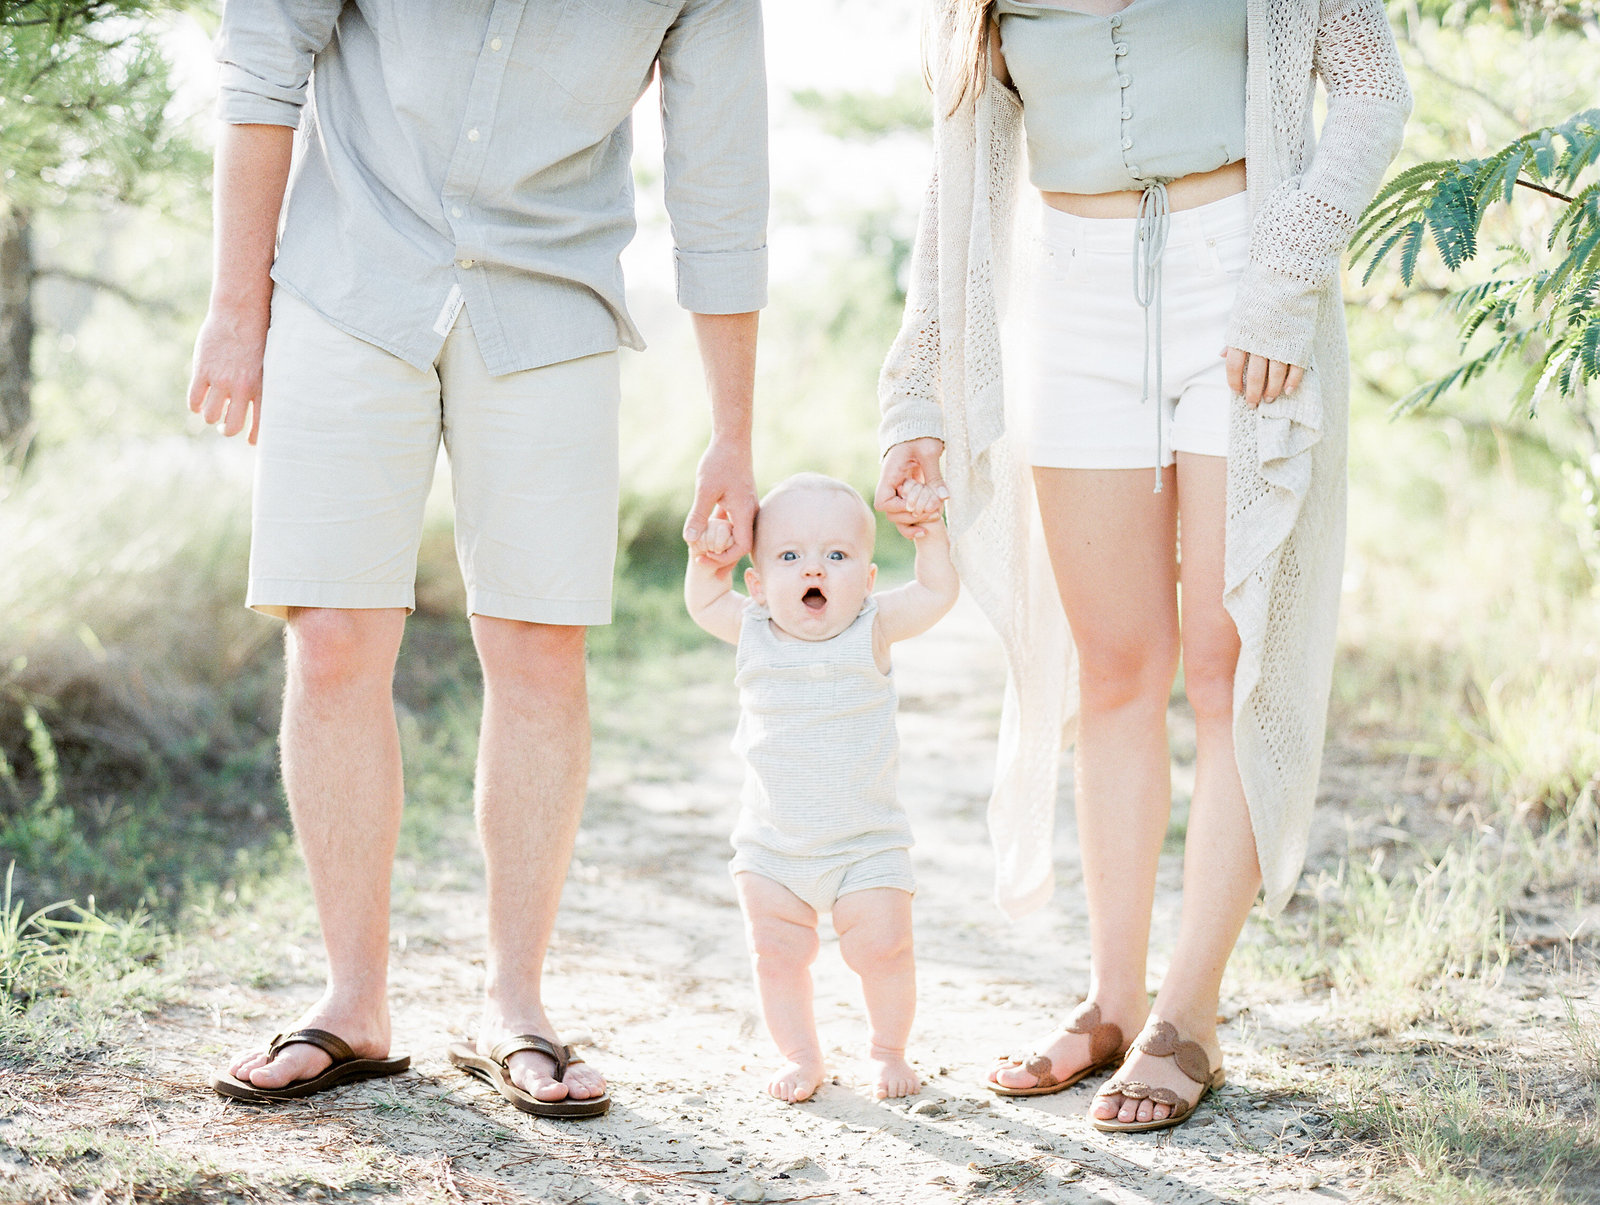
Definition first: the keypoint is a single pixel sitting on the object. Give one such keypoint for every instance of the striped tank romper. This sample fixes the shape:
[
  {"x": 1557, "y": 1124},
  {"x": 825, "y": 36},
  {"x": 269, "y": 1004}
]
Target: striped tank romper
[{"x": 819, "y": 812}]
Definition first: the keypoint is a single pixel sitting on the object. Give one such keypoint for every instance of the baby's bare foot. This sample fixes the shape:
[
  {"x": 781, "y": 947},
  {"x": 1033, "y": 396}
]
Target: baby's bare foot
[
  {"x": 895, "y": 1076},
  {"x": 798, "y": 1080}
]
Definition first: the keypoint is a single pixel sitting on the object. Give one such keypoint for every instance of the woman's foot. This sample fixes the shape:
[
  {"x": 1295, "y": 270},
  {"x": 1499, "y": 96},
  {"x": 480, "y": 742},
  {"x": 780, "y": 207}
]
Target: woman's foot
[
  {"x": 798, "y": 1079},
  {"x": 1087, "y": 1041},
  {"x": 895, "y": 1076},
  {"x": 1160, "y": 1062}
]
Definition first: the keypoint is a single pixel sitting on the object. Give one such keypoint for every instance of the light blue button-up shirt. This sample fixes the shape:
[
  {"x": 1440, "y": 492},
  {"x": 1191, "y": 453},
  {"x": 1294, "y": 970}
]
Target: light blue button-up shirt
[{"x": 477, "y": 152}]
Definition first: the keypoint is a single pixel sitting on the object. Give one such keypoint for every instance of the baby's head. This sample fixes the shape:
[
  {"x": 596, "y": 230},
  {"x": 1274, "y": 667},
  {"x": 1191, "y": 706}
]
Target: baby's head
[{"x": 811, "y": 566}]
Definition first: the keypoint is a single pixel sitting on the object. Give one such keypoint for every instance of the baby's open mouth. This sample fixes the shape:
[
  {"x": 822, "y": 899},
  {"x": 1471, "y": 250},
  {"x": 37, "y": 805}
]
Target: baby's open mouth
[{"x": 814, "y": 599}]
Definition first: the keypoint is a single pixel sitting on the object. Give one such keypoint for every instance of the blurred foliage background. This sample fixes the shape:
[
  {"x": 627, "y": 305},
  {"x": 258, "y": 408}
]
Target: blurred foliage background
[{"x": 138, "y": 696}]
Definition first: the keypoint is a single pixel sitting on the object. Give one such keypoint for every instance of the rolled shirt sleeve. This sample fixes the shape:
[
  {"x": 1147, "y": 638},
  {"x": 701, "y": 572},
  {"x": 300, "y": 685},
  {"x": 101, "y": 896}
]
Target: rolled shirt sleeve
[
  {"x": 265, "y": 49},
  {"x": 714, "y": 124}
]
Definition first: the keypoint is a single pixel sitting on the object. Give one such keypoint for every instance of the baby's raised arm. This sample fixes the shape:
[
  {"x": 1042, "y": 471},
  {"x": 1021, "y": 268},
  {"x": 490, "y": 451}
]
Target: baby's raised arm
[
  {"x": 708, "y": 588},
  {"x": 913, "y": 608}
]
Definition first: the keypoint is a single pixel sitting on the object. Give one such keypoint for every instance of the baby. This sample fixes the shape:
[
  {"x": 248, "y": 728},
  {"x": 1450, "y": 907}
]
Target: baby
[{"x": 820, "y": 828}]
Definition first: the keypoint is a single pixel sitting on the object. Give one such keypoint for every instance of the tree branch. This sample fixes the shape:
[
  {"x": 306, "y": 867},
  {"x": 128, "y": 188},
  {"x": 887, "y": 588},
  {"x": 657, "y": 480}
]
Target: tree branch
[{"x": 1549, "y": 192}]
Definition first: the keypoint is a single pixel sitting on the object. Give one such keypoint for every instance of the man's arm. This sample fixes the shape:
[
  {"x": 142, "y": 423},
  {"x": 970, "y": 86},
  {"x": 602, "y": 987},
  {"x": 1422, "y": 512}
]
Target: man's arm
[
  {"x": 714, "y": 134},
  {"x": 915, "y": 607},
  {"x": 252, "y": 172},
  {"x": 725, "y": 478}
]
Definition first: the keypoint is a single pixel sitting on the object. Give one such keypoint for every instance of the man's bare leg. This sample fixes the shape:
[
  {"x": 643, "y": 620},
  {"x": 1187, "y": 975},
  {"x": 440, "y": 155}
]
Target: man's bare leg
[
  {"x": 341, "y": 772},
  {"x": 533, "y": 769}
]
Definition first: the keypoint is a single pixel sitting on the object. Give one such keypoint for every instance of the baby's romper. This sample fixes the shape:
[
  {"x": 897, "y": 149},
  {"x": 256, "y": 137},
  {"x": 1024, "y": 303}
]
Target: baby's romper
[{"x": 816, "y": 730}]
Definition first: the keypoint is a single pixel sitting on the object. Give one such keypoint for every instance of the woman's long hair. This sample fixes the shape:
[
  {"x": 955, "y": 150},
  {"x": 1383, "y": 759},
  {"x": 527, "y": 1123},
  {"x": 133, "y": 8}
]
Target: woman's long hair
[{"x": 967, "y": 62}]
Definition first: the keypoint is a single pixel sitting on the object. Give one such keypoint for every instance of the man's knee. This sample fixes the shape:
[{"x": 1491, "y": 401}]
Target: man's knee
[
  {"x": 539, "y": 657},
  {"x": 329, "y": 648}
]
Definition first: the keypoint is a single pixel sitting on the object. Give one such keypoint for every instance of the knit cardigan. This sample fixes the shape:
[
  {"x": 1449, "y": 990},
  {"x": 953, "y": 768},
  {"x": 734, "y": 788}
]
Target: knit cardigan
[{"x": 1284, "y": 539}]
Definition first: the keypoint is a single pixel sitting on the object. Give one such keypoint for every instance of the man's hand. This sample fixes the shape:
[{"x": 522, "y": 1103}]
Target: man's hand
[
  {"x": 1259, "y": 379},
  {"x": 252, "y": 171},
  {"x": 716, "y": 540},
  {"x": 911, "y": 489},
  {"x": 724, "y": 492},
  {"x": 225, "y": 385}
]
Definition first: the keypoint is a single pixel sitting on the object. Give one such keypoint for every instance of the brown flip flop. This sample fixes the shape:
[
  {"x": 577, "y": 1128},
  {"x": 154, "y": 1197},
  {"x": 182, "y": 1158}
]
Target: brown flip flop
[
  {"x": 1106, "y": 1049},
  {"x": 346, "y": 1067},
  {"x": 492, "y": 1068},
  {"x": 1161, "y": 1041}
]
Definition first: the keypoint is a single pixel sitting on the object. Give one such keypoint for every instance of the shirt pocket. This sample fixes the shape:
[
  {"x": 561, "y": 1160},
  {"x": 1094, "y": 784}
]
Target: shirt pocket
[{"x": 601, "y": 52}]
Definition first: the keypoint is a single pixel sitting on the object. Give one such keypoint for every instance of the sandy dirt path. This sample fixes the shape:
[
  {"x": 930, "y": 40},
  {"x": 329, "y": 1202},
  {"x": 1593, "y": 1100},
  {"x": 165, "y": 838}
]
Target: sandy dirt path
[{"x": 649, "y": 972}]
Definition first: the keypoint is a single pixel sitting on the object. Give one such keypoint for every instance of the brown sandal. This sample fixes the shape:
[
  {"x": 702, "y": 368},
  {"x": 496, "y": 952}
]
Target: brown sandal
[
  {"x": 492, "y": 1068},
  {"x": 346, "y": 1067},
  {"x": 1106, "y": 1049},
  {"x": 1161, "y": 1040}
]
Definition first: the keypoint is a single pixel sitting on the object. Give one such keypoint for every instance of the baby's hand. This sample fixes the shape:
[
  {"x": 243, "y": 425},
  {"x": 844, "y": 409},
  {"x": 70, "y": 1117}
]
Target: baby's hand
[
  {"x": 715, "y": 540},
  {"x": 922, "y": 502}
]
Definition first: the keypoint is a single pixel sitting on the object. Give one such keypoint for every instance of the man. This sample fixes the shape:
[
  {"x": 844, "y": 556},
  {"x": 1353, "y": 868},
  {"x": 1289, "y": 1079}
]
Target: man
[{"x": 448, "y": 266}]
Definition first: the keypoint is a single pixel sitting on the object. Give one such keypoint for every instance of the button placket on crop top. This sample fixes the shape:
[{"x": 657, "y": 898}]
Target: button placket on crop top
[
  {"x": 1153, "y": 93},
  {"x": 1115, "y": 102}
]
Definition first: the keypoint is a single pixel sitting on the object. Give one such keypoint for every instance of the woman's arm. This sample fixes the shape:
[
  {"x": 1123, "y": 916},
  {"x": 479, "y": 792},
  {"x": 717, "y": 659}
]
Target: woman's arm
[{"x": 1304, "y": 225}]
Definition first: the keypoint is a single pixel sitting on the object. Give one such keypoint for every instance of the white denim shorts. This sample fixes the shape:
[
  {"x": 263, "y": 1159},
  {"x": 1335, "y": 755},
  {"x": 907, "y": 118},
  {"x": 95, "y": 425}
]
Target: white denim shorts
[
  {"x": 349, "y": 439},
  {"x": 1083, "y": 340}
]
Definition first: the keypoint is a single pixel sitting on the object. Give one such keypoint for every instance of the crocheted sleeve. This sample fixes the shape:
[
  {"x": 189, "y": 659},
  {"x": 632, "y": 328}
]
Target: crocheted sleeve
[
  {"x": 1303, "y": 226},
  {"x": 908, "y": 386}
]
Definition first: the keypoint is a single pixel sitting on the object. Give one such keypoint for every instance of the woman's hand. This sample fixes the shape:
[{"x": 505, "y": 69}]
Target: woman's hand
[
  {"x": 1259, "y": 379},
  {"x": 911, "y": 471}
]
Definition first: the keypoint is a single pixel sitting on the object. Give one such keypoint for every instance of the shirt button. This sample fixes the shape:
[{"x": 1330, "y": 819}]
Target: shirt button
[
  {"x": 1116, "y": 21},
  {"x": 1122, "y": 82},
  {"x": 1121, "y": 48},
  {"x": 1133, "y": 170},
  {"x": 1127, "y": 144},
  {"x": 495, "y": 44},
  {"x": 455, "y": 211},
  {"x": 1127, "y": 113},
  {"x": 472, "y": 135},
  {"x": 465, "y": 263}
]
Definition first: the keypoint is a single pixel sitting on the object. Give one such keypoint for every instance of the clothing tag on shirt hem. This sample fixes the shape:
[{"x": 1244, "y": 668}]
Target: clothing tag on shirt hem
[{"x": 447, "y": 315}]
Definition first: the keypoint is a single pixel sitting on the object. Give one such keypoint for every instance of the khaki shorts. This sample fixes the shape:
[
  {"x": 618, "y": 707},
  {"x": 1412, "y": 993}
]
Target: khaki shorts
[{"x": 349, "y": 439}]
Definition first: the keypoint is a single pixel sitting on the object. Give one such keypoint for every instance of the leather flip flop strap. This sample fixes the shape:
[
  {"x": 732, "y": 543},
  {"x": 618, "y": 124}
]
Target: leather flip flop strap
[
  {"x": 331, "y": 1044},
  {"x": 561, "y": 1056}
]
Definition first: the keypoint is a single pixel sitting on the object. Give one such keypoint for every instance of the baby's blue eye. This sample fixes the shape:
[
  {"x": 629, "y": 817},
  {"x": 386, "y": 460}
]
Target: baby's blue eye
[
  {"x": 788, "y": 556},
  {"x": 836, "y": 555}
]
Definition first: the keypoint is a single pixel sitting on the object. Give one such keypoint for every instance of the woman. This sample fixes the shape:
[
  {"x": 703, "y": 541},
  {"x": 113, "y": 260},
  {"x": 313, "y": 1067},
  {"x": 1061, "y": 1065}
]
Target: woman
[{"x": 1186, "y": 370}]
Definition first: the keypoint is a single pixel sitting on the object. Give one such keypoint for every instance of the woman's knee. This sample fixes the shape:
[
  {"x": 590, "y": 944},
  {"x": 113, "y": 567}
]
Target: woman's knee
[
  {"x": 1115, "y": 674},
  {"x": 1208, "y": 670}
]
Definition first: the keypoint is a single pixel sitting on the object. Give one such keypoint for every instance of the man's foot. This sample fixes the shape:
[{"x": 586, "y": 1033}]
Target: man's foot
[
  {"x": 895, "y": 1076},
  {"x": 365, "y": 1032},
  {"x": 1157, "y": 1069},
  {"x": 797, "y": 1080},
  {"x": 534, "y": 1072},
  {"x": 1084, "y": 1043}
]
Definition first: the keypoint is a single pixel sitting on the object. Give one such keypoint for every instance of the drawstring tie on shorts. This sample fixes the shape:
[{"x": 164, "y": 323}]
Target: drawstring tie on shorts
[{"x": 1150, "y": 243}]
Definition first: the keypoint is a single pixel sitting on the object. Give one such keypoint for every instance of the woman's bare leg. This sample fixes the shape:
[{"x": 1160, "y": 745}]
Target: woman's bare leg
[
  {"x": 1113, "y": 547},
  {"x": 1220, "y": 873}
]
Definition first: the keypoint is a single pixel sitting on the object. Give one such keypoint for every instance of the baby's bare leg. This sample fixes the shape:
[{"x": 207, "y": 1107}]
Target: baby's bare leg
[
  {"x": 874, "y": 928},
  {"x": 782, "y": 931}
]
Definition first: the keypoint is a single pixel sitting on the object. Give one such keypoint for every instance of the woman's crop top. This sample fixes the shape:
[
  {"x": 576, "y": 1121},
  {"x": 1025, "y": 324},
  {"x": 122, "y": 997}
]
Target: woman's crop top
[{"x": 1114, "y": 103}]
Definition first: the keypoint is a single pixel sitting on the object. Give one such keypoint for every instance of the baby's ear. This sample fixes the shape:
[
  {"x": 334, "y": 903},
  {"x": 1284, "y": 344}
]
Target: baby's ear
[{"x": 752, "y": 583}]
